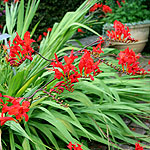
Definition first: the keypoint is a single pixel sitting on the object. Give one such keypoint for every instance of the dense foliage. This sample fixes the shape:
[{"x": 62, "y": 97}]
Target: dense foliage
[
  {"x": 51, "y": 11},
  {"x": 128, "y": 12}
]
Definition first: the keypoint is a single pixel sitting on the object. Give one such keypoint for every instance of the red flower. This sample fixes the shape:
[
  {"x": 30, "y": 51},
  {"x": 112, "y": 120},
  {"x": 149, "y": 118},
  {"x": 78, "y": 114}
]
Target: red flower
[
  {"x": 44, "y": 33},
  {"x": 14, "y": 108},
  {"x": 20, "y": 50},
  {"x": 95, "y": 7},
  {"x": 27, "y": 40},
  {"x": 121, "y": 33},
  {"x": 128, "y": 59},
  {"x": 123, "y": 1},
  {"x": 70, "y": 145},
  {"x": 98, "y": 48},
  {"x": 39, "y": 38},
  {"x": 69, "y": 60},
  {"x": 49, "y": 29},
  {"x": 19, "y": 110},
  {"x": 118, "y": 3},
  {"x": 74, "y": 146},
  {"x": 149, "y": 62},
  {"x": 80, "y": 30},
  {"x": 3, "y": 120},
  {"x": 138, "y": 147},
  {"x": 88, "y": 66},
  {"x": 5, "y": 1},
  {"x": 16, "y": 1},
  {"x": 69, "y": 72},
  {"x": 106, "y": 9},
  {"x": 1, "y": 27}
]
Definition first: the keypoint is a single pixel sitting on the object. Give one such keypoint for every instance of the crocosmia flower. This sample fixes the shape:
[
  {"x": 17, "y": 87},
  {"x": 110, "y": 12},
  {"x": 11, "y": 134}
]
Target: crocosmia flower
[
  {"x": 80, "y": 30},
  {"x": 3, "y": 120},
  {"x": 97, "y": 49},
  {"x": 1, "y": 27},
  {"x": 118, "y": 3},
  {"x": 120, "y": 33},
  {"x": 14, "y": 109},
  {"x": 95, "y": 7},
  {"x": 106, "y": 9},
  {"x": 128, "y": 59},
  {"x": 87, "y": 66},
  {"x": 74, "y": 146},
  {"x": 39, "y": 38},
  {"x": 16, "y": 1},
  {"x": 5, "y": 1},
  {"x": 70, "y": 74},
  {"x": 49, "y": 29},
  {"x": 20, "y": 50},
  {"x": 138, "y": 147},
  {"x": 44, "y": 33},
  {"x": 67, "y": 72}
]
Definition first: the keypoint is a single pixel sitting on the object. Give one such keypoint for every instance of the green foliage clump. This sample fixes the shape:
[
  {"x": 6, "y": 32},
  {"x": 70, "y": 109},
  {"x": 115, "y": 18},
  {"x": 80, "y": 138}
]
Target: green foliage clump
[
  {"x": 2, "y": 15},
  {"x": 130, "y": 11}
]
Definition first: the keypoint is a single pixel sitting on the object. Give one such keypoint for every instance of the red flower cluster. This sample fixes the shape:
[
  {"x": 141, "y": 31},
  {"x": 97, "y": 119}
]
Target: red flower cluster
[
  {"x": 121, "y": 33},
  {"x": 74, "y": 146},
  {"x": 44, "y": 33},
  {"x": 105, "y": 8},
  {"x": 128, "y": 59},
  {"x": 70, "y": 74},
  {"x": 88, "y": 66},
  {"x": 13, "y": 108},
  {"x": 138, "y": 147},
  {"x": 95, "y": 7},
  {"x": 21, "y": 50},
  {"x": 98, "y": 48}
]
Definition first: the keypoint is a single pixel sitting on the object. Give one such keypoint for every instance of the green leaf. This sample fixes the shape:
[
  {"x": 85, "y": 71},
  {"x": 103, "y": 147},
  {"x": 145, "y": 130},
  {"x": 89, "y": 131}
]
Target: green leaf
[
  {"x": 45, "y": 130},
  {"x": 15, "y": 83},
  {"x": 27, "y": 84},
  {"x": 47, "y": 116},
  {"x": 20, "y": 20},
  {"x": 11, "y": 136},
  {"x": 17, "y": 128},
  {"x": 26, "y": 144},
  {"x": 80, "y": 97}
]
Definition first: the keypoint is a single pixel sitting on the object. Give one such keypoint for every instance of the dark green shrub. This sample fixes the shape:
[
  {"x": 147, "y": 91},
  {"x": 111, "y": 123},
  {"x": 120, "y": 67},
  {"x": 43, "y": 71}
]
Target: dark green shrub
[
  {"x": 2, "y": 16},
  {"x": 51, "y": 11}
]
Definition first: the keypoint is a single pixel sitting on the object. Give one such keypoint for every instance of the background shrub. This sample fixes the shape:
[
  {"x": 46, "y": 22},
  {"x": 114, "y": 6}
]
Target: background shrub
[{"x": 51, "y": 11}]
